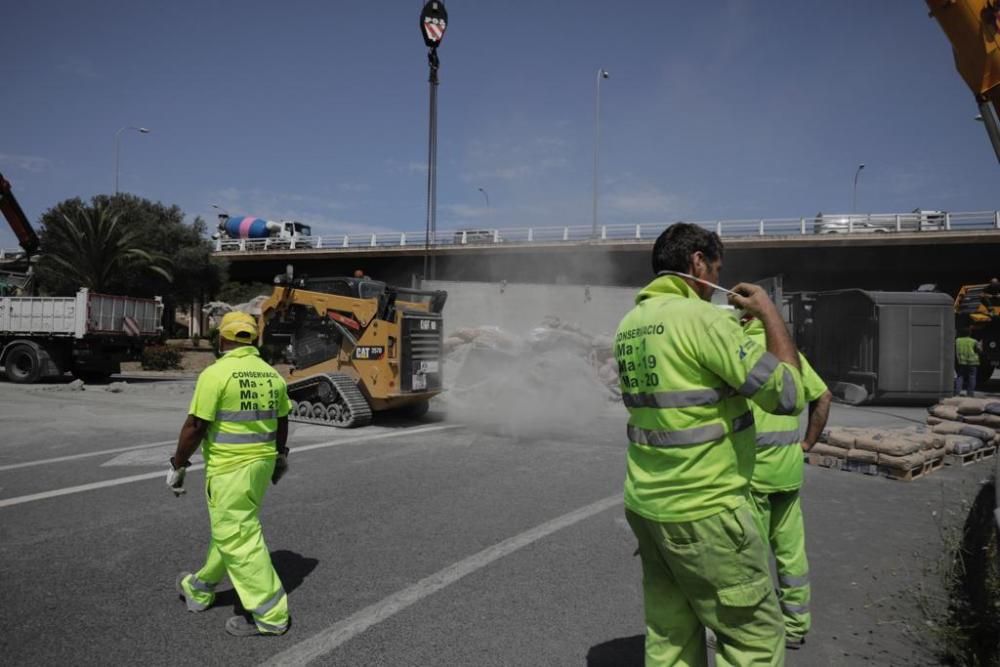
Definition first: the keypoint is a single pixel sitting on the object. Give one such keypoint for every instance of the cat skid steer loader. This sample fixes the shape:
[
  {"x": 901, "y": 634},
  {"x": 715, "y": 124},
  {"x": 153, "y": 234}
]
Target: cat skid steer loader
[{"x": 356, "y": 346}]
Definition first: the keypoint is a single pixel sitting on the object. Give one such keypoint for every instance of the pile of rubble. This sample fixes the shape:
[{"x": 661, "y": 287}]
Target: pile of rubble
[{"x": 540, "y": 345}]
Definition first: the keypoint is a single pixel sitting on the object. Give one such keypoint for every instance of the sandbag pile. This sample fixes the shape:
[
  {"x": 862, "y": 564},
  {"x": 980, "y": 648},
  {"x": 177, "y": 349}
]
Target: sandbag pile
[
  {"x": 900, "y": 449},
  {"x": 968, "y": 424}
]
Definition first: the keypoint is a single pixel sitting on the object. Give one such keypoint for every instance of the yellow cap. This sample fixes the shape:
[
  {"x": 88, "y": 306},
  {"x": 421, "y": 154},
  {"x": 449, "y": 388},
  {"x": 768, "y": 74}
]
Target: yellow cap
[{"x": 238, "y": 327}]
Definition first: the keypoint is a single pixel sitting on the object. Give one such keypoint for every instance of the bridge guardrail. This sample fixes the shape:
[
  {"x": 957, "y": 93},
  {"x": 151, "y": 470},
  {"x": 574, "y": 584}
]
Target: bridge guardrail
[{"x": 878, "y": 223}]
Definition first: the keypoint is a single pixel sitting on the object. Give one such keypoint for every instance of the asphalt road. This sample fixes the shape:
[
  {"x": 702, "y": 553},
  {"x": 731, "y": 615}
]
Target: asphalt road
[{"x": 406, "y": 543}]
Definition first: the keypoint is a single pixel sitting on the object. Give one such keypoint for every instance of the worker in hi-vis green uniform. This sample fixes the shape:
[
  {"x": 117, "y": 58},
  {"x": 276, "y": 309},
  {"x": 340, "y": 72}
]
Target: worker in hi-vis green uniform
[
  {"x": 686, "y": 371},
  {"x": 239, "y": 415},
  {"x": 967, "y": 351},
  {"x": 777, "y": 478}
]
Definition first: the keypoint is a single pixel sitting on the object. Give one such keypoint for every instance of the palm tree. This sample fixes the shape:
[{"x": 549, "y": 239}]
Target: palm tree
[{"x": 94, "y": 249}]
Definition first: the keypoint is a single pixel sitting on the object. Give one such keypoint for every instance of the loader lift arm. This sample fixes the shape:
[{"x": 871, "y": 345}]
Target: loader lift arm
[{"x": 973, "y": 28}]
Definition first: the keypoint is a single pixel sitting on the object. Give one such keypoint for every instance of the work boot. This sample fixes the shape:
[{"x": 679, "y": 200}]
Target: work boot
[
  {"x": 190, "y": 595},
  {"x": 794, "y": 643},
  {"x": 239, "y": 626}
]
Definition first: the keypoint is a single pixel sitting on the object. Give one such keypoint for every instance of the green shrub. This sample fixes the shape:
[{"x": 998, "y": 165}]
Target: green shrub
[
  {"x": 213, "y": 337},
  {"x": 195, "y": 341},
  {"x": 160, "y": 358}
]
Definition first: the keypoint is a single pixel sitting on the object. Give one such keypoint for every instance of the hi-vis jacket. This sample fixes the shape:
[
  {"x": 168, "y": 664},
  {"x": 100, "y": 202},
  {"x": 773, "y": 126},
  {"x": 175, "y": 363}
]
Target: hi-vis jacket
[
  {"x": 965, "y": 351},
  {"x": 686, "y": 371},
  {"x": 779, "y": 453},
  {"x": 242, "y": 397}
]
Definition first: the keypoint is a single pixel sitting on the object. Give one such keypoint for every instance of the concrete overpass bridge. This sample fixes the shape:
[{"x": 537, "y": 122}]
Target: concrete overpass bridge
[{"x": 884, "y": 252}]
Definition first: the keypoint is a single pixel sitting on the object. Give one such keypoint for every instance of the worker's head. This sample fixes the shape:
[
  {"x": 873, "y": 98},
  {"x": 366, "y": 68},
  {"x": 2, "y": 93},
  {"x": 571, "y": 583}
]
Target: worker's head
[
  {"x": 237, "y": 329},
  {"x": 690, "y": 249},
  {"x": 358, "y": 273}
]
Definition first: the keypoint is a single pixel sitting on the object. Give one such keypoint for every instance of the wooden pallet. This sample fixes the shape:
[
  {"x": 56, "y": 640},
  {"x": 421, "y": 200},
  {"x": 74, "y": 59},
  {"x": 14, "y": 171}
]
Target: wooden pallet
[
  {"x": 976, "y": 456},
  {"x": 913, "y": 473},
  {"x": 859, "y": 466},
  {"x": 824, "y": 461}
]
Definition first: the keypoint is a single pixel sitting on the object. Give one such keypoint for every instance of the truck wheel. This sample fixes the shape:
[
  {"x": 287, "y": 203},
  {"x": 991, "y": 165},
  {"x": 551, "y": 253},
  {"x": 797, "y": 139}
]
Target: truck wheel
[{"x": 23, "y": 365}]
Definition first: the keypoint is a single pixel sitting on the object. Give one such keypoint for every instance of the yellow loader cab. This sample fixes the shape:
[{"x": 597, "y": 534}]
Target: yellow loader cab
[{"x": 356, "y": 346}]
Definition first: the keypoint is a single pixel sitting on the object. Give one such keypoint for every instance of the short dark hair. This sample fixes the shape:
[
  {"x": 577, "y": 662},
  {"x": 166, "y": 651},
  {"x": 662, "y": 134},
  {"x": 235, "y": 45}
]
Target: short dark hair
[{"x": 674, "y": 247}]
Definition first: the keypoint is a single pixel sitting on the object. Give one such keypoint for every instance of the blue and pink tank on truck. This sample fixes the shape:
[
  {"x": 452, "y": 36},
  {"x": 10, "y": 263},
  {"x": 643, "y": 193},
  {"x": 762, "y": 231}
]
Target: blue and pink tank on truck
[{"x": 253, "y": 231}]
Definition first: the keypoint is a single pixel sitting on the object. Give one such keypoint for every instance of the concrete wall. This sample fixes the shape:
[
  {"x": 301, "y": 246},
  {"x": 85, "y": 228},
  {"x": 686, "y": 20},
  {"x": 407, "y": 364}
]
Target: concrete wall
[{"x": 517, "y": 308}]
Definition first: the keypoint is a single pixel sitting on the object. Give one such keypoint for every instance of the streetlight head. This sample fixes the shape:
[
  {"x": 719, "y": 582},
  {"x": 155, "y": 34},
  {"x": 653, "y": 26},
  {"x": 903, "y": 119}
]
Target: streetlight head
[
  {"x": 861, "y": 166},
  {"x": 605, "y": 74},
  {"x": 144, "y": 130},
  {"x": 979, "y": 117}
]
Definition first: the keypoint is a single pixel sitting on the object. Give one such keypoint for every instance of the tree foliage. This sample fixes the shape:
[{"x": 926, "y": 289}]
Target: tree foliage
[{"x": 124, "y": 244}]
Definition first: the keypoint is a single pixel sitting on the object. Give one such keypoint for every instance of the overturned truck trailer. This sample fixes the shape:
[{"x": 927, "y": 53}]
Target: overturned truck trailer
[{"x": 879, "y": 347}]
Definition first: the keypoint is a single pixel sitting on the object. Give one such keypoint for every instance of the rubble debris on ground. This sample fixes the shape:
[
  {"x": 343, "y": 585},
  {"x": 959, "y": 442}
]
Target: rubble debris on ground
[
  {"x": 553, "y": 378},
  {"x": 216, "y": 309},
  {"x": 963, "y": 429},
  {"x": 117, "y": 387},
  {"x": 552, "y": 336}
]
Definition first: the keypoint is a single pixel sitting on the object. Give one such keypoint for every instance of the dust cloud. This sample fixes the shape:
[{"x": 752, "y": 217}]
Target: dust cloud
[{"x": 532, "y": 360}]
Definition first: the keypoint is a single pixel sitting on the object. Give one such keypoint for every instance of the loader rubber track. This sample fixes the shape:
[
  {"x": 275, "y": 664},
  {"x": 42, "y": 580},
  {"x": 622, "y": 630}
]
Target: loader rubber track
[{"x": 329, "y": 399}]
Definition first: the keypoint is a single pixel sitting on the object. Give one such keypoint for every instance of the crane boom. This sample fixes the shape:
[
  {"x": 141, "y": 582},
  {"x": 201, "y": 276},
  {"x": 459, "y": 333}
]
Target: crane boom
[{"x": 11, "y": 210}]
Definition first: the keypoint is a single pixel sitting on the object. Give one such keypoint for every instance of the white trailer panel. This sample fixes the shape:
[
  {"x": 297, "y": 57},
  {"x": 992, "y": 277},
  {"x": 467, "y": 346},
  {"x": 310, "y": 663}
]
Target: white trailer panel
[{"x": 80, "y": 315}]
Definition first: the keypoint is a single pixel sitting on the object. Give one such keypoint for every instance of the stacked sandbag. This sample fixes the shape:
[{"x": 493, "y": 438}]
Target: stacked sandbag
[
  {"x": 967, "y": 424},
  {"x": 835, "y": 441},
  {"x": 900, "y": 449}
]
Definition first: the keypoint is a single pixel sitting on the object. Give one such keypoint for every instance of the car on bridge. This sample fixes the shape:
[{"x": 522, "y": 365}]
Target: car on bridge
[{"x": 848, "y": 224}]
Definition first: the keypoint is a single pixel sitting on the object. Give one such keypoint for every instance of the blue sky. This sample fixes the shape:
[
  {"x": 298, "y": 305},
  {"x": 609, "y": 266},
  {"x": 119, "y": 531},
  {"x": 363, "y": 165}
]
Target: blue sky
[{"x": 318, "y": 110}]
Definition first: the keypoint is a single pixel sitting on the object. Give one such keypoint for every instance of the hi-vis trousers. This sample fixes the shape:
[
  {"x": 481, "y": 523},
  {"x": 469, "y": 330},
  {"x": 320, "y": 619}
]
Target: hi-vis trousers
[
  {"x": 712, "y": 573},
  {"x": 238, "y": 548},
  {"x": 781, "y": 517}
]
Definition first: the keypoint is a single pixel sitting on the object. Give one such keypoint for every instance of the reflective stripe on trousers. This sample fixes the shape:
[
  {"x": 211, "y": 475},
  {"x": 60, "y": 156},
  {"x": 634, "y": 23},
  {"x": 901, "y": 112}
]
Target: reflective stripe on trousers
[{"x": 690, "y": 436}]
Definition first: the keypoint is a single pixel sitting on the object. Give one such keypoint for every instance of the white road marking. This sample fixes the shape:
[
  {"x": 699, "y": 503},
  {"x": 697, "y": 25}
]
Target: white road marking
[
  {"x": 19, "y": 500},
  {"x": 73, "y": 457},
  {"x": 322, "y": 643},
  {"x": 144, "y": 458}
]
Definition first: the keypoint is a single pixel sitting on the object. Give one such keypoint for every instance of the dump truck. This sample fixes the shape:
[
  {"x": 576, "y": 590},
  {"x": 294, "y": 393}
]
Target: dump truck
[
  {"x": 355, "y": 346},
  {"x": 977, "y": 310},
  {"x": 88, "y": 334}
]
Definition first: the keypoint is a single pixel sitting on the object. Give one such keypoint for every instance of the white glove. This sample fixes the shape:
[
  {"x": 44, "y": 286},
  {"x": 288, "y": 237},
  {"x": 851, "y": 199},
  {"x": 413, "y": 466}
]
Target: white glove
[{"x": 175, "y": 479}]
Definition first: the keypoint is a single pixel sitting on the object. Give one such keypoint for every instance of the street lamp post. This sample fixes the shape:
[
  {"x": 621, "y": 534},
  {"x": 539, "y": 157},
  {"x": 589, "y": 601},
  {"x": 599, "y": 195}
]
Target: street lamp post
[
  {"x": 433, "y": 23},
  {"x": 118, "y": 134},
  {"x": 487, "y": 195},
  {"x": 601, "y": 74},
  {"x": 854, "y": 200}
]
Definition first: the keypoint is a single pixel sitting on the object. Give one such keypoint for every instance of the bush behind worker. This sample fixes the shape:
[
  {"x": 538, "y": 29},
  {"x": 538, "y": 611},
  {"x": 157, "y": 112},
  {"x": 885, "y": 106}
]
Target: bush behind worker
[
  {"x": 686, "y": 371},
  {"x": 239, "y": 414}
]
